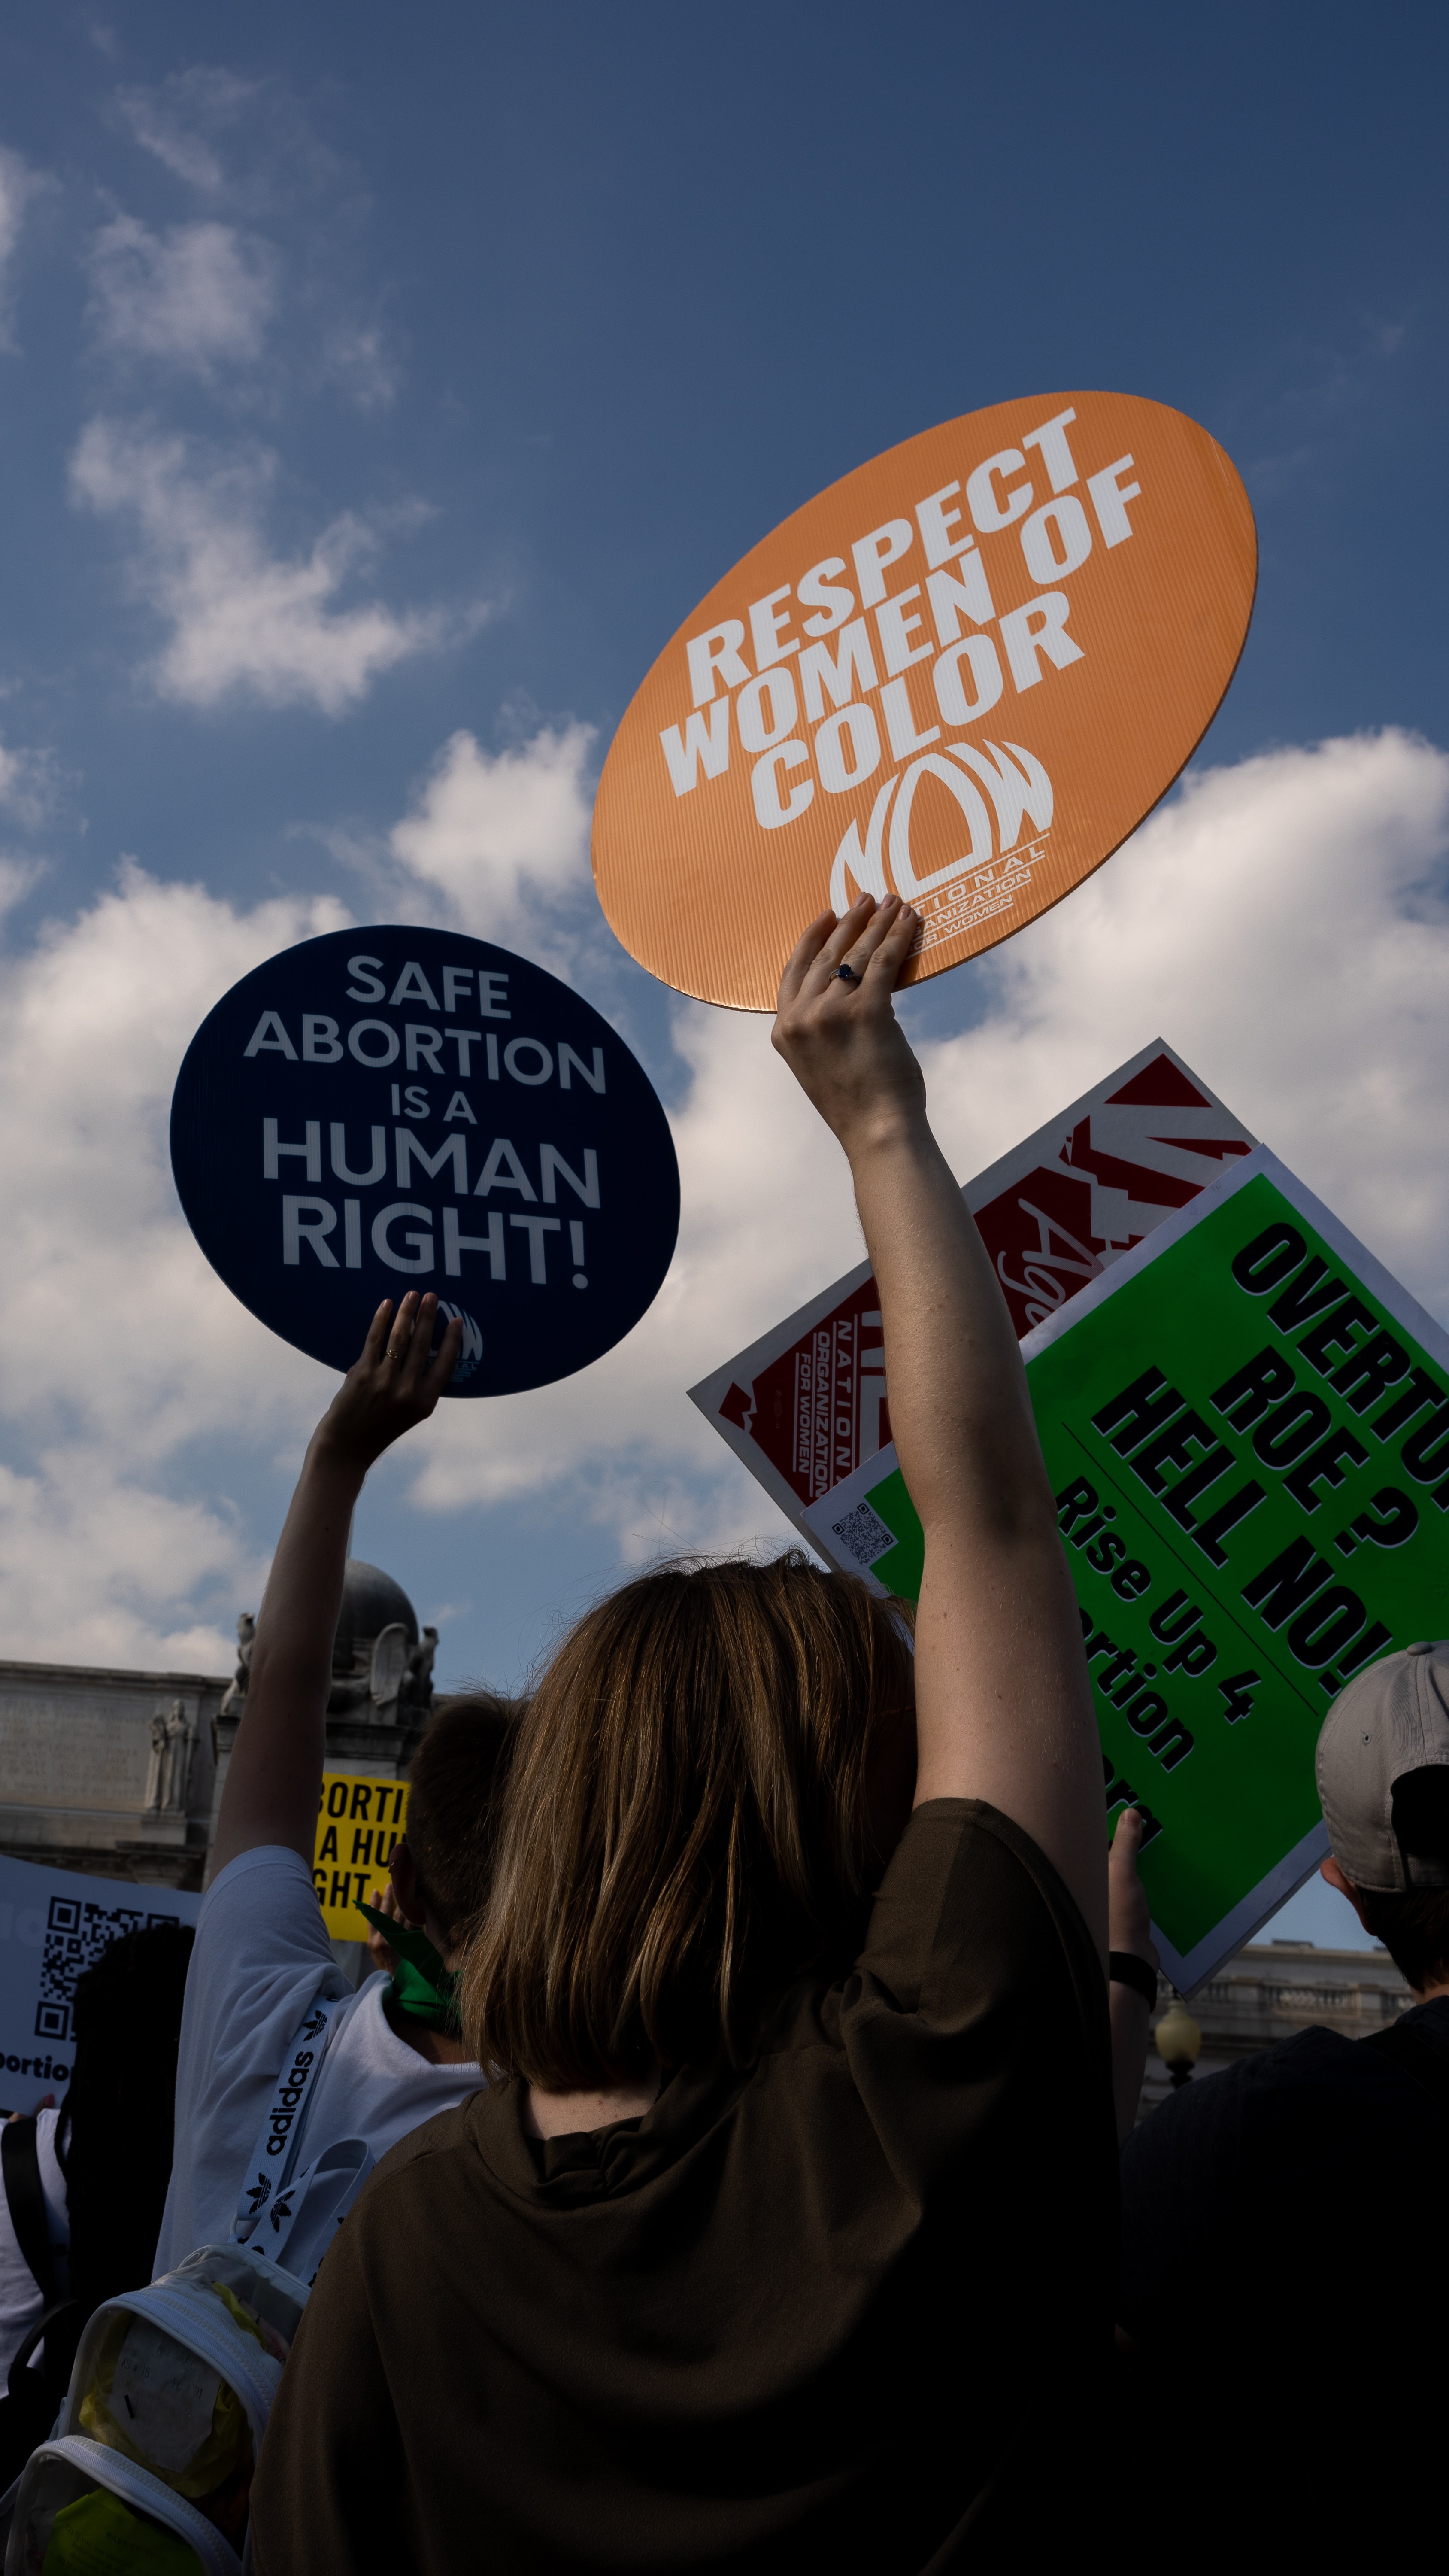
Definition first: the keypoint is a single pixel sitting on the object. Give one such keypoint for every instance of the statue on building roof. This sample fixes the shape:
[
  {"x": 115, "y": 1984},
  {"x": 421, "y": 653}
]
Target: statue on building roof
[{"x": 382, "y": 1669}]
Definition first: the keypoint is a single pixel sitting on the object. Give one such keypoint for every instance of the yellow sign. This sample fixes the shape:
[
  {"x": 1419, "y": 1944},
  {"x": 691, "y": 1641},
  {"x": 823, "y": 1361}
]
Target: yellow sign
[
  {"x": 963, "y": 674},
  {"x": 360, "y": 1821}
]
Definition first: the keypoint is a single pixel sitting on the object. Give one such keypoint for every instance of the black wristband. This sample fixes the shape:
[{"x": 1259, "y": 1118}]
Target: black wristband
[{"x": 1126, "y": 1969}]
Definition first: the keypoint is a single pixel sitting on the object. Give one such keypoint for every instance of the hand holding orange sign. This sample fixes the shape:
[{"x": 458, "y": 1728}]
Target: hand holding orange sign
[{"x": 963, "y": 675}]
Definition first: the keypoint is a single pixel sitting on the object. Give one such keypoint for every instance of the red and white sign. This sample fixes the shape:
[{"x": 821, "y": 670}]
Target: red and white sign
[{"x": 807, "y": 1404}]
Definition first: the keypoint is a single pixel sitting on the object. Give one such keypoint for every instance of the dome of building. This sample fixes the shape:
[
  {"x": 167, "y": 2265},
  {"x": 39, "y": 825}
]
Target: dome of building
[{"x": 371, "y": 1601}]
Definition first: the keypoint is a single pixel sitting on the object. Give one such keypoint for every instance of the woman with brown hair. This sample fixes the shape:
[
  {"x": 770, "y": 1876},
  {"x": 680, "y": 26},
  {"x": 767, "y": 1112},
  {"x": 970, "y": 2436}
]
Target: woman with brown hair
[{"x": 781, "y": 2234}]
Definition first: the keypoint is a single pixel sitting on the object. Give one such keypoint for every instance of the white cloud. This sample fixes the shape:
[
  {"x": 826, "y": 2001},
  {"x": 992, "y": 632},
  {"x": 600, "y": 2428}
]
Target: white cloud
[
  {"x": 503, "y": 835},
  {"x": 1278, "y": 925},
  {"x": 93, "y": 1024},
  {"x": 180, "y": 120},
  {"x": 112, "y": 1570},
  {"x": 120, "y": 1345},
  {"x": 198, "y": 295},
  {"x": 203, "y": 293},
  {"x": 18, "y": 184},
  {"x": 27, "y": 785},
  {"x": 1281, "y": 924},
  {"x": 244, "y": 622},
  {"x": 362, "y": 358},
  {"x": 1284, "y": 925},
  {"x": 17, "y": 877}
]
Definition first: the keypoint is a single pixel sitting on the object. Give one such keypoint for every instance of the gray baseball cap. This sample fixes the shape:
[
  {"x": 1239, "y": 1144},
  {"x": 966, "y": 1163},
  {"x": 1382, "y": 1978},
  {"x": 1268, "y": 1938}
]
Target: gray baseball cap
[{"x": 1389, "y": 1720}]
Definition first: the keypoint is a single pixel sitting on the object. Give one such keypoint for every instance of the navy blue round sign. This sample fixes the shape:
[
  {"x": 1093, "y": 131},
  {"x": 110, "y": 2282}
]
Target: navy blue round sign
[{"x": 389, "y": 1109}]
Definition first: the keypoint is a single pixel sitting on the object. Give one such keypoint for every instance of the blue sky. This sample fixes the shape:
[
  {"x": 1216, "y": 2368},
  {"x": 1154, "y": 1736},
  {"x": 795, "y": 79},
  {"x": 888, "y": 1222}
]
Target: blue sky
[{"x": 380, "y": 389}]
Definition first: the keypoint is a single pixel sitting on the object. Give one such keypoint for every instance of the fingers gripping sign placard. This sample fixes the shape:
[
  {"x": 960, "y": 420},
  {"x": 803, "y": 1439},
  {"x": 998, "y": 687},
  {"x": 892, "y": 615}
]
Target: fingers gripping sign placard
[
  {"x": 387, "y": 1109},
  {"x": 963, "y": 674}
]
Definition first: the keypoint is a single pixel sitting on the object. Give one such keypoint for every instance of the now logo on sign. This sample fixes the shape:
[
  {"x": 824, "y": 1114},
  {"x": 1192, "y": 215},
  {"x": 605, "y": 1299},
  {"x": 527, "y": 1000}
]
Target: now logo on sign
[{"x": 1018, "y": 787}]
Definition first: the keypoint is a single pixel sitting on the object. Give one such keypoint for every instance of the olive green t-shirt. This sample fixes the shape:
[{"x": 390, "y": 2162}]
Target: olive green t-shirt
[{"x": 847, "y": 2306}]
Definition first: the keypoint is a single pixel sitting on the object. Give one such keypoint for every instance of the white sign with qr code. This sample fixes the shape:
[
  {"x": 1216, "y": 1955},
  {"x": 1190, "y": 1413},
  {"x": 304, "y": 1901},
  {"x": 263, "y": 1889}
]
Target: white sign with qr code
[
  {"x": 54, "y": 1924},
  {"x": 864, "y": 1535}
]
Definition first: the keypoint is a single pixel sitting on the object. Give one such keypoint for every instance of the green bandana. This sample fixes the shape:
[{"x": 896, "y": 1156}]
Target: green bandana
[{"x": 421, "y": 1986}]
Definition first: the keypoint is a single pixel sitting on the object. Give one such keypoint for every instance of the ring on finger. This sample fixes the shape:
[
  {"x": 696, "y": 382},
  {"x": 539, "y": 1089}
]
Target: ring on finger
[{"x": 847, "y": 974}]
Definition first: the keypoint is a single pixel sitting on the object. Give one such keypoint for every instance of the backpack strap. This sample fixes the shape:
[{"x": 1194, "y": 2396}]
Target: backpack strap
[
  {"x": 306, "y": 2214},
  {"x": 20, "y": 2158},
  {"x": 60, "y": 2325},
  {"x": 1418, "y": 2057},
  {"x": 274, "y": 2158}
]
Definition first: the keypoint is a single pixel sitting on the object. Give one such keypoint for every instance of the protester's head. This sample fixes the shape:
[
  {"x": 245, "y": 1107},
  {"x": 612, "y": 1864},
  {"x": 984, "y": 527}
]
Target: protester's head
[
  {"x": 1383, "y": 1781},
  {"x": 456, "y": 1782},
  {"x": 709, "y": 1773},
  {"x": 120, "y": 2108}
]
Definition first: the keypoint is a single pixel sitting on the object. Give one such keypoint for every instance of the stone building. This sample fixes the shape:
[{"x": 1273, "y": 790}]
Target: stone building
[
  {"x": 1273, "y": 1989},
  {"x": 109, "y": 1771},
  {"x": 120, "y": 1773}
]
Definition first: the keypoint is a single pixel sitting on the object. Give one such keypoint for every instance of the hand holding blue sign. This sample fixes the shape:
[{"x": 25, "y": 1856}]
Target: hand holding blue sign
[
  {"x": 394, "y": 1383},
  {"x": 395, "y": 1104}
]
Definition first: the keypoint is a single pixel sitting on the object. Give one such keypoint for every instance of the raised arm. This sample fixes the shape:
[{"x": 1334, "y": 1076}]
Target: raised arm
[
  {"x": 274, "y": 1779},
  {"x": 1130, "y": 1919},
  {"x": 1003, "y": 1707}
]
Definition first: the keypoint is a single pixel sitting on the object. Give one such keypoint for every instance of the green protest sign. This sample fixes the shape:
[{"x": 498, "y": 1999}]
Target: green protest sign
[{"x": 1246, "y": 1424}]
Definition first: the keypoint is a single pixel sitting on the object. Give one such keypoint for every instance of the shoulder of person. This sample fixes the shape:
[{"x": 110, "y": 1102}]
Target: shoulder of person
[
  {"x": 1250, "y": 2096},
  {"x": 967, "y": 1884},
  {"x": 444, "y": 2135},
  {"x": 261, "y": 1911},
  {"x": 1316, "y": 2059},
  {"x": 933, "y": 1853},
  {"x": 269, "y": 1877}
]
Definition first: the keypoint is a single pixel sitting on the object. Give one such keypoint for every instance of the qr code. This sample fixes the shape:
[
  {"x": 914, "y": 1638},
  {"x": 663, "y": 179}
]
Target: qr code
[
  {"x": 863, "y": 1534},
  {"x": 76, "y": 1933}
]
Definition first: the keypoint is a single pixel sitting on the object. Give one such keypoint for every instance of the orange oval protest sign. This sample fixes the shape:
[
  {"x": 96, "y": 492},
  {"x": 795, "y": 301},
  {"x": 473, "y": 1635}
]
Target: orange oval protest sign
[{"x": 964, "y": 673}]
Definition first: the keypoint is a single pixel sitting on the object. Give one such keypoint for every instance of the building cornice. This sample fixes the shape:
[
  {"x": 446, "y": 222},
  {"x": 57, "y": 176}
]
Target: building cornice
[{"x": 125, "y": 1674}]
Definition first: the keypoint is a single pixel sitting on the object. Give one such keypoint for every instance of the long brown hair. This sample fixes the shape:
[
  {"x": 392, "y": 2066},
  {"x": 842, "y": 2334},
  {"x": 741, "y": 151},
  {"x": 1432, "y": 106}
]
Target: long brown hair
[{"x": 685, "y": 1827}]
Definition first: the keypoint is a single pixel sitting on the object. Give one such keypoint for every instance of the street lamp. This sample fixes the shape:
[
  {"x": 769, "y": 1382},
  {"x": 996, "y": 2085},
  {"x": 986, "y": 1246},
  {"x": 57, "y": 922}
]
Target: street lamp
[{"x": 1179, "y": 2041}]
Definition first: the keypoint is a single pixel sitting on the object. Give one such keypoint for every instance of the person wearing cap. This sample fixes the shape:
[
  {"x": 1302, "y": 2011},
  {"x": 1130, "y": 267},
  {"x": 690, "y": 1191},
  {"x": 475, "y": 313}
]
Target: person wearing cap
[{"x": 1280, "y": 2220}]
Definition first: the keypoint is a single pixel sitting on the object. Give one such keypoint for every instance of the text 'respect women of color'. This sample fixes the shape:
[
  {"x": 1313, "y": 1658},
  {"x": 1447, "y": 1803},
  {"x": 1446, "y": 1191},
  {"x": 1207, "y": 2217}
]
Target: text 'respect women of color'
[
  {"x": 964, "y": 673},
  {"x": 396, "y": 1108}
]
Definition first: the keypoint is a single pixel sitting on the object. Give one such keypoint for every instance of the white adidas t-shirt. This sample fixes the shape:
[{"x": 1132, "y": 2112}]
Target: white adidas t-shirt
[
  {"x": 261, "y": 1956},
  {"x": 21, "y": 2303}
]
